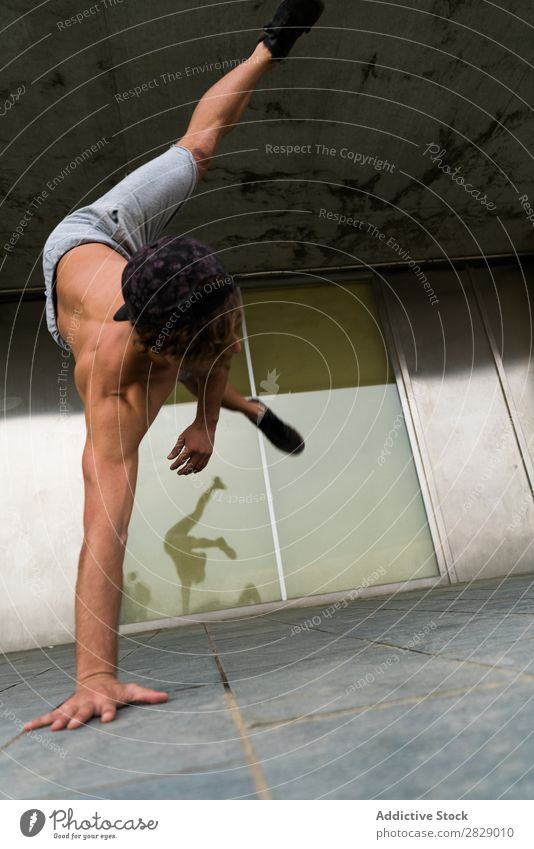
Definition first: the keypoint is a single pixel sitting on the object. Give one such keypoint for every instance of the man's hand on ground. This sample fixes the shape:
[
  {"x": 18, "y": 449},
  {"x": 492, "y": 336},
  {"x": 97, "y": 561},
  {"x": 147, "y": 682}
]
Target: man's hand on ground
[
  {"x": 98, "y": 697},
  {"x": 193, "y": 449}
]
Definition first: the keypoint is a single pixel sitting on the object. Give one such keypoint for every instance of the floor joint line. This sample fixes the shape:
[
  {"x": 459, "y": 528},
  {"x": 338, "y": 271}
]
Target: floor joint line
[{"x": 260, "y": 783}]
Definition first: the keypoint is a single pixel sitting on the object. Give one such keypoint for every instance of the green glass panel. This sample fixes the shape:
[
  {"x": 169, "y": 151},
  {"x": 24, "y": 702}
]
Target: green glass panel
[
  {"x": 311, "y": 337},
  {"x": 349, "y": 509},
  {"x": 199, "y": 542}
]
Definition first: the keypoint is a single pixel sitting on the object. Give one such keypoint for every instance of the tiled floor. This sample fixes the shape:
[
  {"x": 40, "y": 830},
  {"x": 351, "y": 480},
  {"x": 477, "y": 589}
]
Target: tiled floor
[{"x": 420, "y": 695}]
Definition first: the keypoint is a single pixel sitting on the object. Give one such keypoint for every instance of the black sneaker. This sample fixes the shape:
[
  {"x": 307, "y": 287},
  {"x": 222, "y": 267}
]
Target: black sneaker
[
  {"x": 278, "y": 432},
  {"x": 290, "y": 21}
]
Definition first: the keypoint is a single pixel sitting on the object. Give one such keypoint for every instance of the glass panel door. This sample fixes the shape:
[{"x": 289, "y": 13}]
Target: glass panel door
[
  {"x": 199, "y": 542},
  {"x": 349, "y": 509}
]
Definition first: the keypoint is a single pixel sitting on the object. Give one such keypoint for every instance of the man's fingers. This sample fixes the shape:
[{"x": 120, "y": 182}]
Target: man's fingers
[
  {"x": 188, "y": 468},
  {"x": 194, "y": 461},
  {"x": 62, "y": 716},
  {"x": 197, "y": 462},
  {"x": 136, "y": 693},
  {"x": 72, "y": 716},
  {"x": 181, "y": 459},
  {"x": 177, "y": 448},
  {"x": 39, "y": 721},
  {"x": 108, "y": 711},
  {"x": 85, "y": 712}
]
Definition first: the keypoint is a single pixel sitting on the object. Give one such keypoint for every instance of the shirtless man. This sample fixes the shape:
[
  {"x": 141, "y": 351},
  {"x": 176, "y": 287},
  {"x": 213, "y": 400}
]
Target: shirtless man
[{"x": 148, "y": 311}]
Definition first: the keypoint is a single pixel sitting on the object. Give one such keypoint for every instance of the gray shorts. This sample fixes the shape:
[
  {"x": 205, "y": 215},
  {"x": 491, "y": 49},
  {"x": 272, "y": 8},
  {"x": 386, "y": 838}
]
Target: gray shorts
[{"x": 131, "y": 214}]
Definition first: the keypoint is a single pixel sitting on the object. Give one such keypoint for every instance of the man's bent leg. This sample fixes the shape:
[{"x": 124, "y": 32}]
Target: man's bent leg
[
  {"x": 232, "y": 400},
  {"x": 281, "y": 434}
]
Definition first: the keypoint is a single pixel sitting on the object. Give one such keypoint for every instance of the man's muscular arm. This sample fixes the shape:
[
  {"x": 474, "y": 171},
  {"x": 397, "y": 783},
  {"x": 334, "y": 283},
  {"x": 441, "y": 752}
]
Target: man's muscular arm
[
  {"x": 109, "y": 464},
  {"x": 115, "y": 428},
  {"x": 194, "y": 446}
]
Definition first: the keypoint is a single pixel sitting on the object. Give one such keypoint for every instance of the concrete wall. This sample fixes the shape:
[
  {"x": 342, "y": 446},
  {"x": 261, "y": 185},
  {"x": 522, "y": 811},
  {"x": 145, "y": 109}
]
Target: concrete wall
[
  {"x": 377, "y": 79},
  {"x": 465, "y": 364}
]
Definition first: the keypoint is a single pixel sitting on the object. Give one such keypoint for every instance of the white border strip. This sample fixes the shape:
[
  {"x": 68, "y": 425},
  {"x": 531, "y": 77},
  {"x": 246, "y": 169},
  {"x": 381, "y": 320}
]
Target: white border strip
[{"x": 266, "y": 477}]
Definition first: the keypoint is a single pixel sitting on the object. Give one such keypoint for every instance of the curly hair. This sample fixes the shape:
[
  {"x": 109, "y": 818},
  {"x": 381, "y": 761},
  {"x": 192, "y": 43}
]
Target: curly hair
[{"x": 198, "y": 337}]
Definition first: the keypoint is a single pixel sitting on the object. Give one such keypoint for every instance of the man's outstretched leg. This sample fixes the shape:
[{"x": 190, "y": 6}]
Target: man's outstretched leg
[
  {"x": 224, "y": 104},
  {"x": 218, "y": 111}
]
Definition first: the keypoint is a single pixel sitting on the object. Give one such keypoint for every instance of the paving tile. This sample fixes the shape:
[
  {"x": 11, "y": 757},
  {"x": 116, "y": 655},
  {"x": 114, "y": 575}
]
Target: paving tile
[
  {"x": 170, "y": 669},
  {"x": 15, "y": 670},
  {"x": 340, "y": 680},
  {"x": 515, "y": 656},
  {"x": 179, "y": 656},
  {"x": 193, "y": 732},
  {"x": 27, "y": 701},
  {"x": 354, "y": 614},
  {"x": 42, "y": 692},
  {"x": 251, "y": 628},
  {"x": 440, "y": 748},
  {"x": 486, "y": 638},
  {"x": 18, "y": 667},
  {"x": 260, "y": 654},
  {"x": 466, "y": 605},
  {"x": 397, "y": 711},
  {"x": 224, "y": 783}
]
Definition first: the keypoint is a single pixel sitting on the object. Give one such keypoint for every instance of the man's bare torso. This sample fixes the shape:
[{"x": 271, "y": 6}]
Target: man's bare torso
[{"x": 107, "y": 359}]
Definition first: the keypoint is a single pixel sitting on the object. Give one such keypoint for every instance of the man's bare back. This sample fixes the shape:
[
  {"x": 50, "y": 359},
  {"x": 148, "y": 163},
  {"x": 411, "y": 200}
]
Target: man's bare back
[{"x": 89, "y": 287}]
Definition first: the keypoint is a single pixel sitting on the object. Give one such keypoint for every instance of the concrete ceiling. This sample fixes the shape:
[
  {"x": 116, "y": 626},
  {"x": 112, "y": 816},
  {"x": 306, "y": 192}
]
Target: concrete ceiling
[{"x": 378, "y": 80}]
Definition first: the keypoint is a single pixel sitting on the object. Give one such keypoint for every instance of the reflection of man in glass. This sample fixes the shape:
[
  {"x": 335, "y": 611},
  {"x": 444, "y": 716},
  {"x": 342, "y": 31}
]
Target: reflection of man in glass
[{"x": 190, "y": 564}]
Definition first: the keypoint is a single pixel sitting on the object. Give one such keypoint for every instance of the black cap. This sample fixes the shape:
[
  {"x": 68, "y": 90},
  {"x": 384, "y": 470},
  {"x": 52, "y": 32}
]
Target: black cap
[{"x": 173, "y": 276}]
